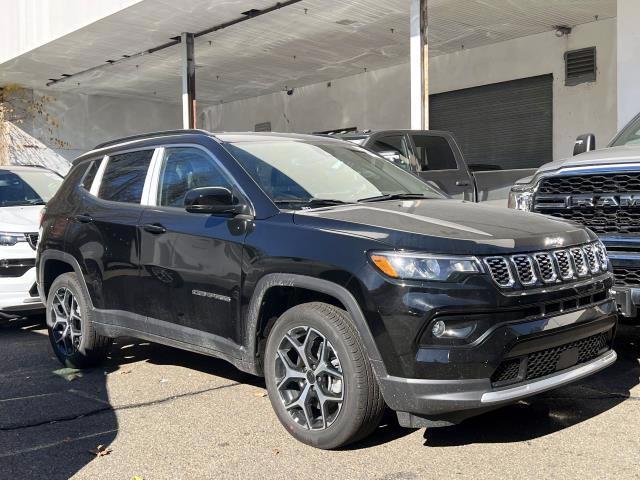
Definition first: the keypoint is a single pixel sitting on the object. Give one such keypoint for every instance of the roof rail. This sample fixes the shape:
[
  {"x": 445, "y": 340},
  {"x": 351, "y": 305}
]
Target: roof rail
[{"x": 141, "y": 136}]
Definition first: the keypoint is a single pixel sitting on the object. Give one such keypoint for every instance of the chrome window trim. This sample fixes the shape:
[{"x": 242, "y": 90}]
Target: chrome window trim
[
  {"x": 150, "y": 190},
  {"x": 97, "y": 180}
]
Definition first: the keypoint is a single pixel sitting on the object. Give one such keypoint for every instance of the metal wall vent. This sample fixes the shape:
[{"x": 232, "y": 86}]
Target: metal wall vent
[
  {"x": 263, "y": 127},
  {"x": 580, "y": 66}
]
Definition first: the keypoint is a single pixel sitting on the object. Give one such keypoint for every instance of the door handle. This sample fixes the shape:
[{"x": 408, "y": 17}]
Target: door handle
[
  {"x": 155, "y": 228},
  {"x": 462, "y": 183},
  {"x": 84, "y": 218}
]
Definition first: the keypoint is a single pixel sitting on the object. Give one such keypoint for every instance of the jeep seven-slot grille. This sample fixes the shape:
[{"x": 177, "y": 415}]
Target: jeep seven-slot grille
[
  {"x": 604, "y": 219},
  {"x": 564, "y": 265},
  {"x": 545, "y": 362}
]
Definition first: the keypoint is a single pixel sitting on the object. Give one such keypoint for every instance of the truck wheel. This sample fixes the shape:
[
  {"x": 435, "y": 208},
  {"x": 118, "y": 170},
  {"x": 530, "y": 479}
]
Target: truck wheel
[
  {"x": 319, "y": 379},
  {"x": 73, "y": 338}
]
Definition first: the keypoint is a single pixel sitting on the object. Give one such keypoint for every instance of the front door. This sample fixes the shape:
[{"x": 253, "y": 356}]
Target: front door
[
  {"x": 439, "y": 161},
  {"x": 191, "y": 262}
]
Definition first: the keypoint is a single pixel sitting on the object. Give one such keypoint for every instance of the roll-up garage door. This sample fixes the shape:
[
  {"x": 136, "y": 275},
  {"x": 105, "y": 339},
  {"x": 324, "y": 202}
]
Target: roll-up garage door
[{"x": 503, "y": 125}]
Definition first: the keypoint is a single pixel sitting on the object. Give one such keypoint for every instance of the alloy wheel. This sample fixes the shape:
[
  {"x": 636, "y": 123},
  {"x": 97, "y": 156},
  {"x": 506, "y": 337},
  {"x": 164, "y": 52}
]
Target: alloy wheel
[
  {"x": 67, "y": 321},
  {"x": 309, "y": 378}
]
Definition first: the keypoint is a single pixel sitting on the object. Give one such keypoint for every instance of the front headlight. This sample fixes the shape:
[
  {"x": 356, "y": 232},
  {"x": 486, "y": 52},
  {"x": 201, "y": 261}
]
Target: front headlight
[
  {"x": 419, "y": 266},
  {"x": 8, "y": 239},
  {"x": 521, "y": 197}
]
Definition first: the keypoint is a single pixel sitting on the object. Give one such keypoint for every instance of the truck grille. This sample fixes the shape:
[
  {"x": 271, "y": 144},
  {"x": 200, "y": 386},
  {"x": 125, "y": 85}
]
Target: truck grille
[
  {"x": 627, "y": 277},
  {"x": 555, "y": 193},
  {"x": 602, "y": 183},
  {"x": 565, "y": 265},
  {"x": 545, "y": 362}
]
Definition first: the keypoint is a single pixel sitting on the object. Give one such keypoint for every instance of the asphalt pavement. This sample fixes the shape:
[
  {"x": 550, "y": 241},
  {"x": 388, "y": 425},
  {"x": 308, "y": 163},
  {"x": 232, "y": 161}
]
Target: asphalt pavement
[{"x": 155, "y": 412}]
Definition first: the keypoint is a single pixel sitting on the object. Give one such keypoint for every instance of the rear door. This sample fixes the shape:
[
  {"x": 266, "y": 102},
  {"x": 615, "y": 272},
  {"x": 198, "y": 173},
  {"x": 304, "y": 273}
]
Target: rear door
[
  {"x": 191, "y": 263},
  {"x": 440, "y": 161},
  {"x": 105, "y": 234}
]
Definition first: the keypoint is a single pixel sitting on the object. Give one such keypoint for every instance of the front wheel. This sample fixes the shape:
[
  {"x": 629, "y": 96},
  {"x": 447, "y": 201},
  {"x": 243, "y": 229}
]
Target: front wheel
[
  {"x": 73, "y": 338},
  {"x": 319, "y": 379}
]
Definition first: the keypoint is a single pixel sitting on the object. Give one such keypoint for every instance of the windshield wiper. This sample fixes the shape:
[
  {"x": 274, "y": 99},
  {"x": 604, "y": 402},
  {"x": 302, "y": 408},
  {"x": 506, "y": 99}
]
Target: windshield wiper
[
  {"x": 309, "y": 202},
  {"x": 394, "y": 196}
]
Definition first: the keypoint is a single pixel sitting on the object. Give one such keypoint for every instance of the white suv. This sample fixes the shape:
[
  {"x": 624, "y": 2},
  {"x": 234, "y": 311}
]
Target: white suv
[{"x": 23, "y": 192}]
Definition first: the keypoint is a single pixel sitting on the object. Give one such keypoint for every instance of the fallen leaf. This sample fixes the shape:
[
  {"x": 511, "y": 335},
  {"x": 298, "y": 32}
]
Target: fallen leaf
[
  {"x": 137, "y": 478},
  {"x": 101, "y": 451},
  {"x": 124, "y": 372},
  {"x": 69, "y": 374},
  {"x": 259, "y": 393},
  {"x": 276, "y": 451}
]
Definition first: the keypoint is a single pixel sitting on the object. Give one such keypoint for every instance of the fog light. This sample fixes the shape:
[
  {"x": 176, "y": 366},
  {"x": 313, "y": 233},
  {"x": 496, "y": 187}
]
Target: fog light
[{"x": 438, "y": 329}]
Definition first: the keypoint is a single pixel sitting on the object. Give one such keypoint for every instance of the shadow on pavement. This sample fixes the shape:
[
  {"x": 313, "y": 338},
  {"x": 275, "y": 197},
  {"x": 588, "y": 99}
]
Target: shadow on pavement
[
  {"x": 48, "y": 424},
  {"x": 554, "y": 410}
]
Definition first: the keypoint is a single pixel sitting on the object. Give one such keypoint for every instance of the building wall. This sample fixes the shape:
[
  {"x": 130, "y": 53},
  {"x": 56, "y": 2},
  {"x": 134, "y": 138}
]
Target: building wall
[
  {"x": 86, "y": 120},
  {"x": 381, "y": 99}
]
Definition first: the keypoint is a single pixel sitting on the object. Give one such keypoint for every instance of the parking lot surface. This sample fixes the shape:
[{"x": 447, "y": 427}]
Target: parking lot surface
[{"x": 160, "y": 413}]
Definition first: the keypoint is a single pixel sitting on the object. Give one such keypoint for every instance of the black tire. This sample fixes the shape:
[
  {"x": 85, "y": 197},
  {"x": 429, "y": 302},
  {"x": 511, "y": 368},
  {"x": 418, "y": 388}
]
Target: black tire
[
  {"x": 91, "y": 348},
  {"x": 362, "y": 404}
]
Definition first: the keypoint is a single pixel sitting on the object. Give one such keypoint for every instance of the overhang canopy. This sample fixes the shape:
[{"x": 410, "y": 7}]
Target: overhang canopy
[{"x": 308, "y": 42}]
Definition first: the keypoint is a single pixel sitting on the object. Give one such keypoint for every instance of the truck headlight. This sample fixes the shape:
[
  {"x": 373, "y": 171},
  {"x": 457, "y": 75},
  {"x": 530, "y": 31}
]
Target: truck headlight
[
  {"x": 419, "y": 266},
  {"x": 8, "y": 239},
  {"x": 521, "y": 197}
]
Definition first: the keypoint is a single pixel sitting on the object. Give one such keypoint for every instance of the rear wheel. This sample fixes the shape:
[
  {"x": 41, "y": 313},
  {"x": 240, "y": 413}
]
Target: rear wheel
[
  {"x": 73, "y": 338},
  {"x": 319, "y": 380}
]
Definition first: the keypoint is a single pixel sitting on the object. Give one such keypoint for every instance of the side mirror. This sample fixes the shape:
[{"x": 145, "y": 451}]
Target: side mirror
[
  {"x": 390, "y": 155},
  {"x": 212, "y": 200},
  {"x": 584, "y": 143}
]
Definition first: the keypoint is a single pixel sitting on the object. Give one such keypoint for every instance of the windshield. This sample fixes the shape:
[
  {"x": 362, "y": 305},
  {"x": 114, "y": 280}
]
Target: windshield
[
  {"x": 630, "y": 135},
  {"x": 298, "y": 172},
  {"x": 27, "y": 187}
]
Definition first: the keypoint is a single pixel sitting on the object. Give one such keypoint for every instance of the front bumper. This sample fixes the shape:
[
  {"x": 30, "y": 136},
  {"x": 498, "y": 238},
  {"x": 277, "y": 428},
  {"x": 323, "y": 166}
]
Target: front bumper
[
  {"x": 19, "y": 294},
  {"x": 560, "y": 338}
]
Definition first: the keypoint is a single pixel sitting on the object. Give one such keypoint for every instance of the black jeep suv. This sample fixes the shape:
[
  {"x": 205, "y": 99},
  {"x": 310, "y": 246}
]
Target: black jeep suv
[{"x": 347, "y": 282}]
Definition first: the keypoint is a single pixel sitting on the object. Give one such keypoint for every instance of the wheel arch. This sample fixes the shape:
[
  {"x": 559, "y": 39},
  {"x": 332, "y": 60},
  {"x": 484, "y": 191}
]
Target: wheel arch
[
  {"x": 257, "y": 323},
  {"x": 51, "y": 265}
]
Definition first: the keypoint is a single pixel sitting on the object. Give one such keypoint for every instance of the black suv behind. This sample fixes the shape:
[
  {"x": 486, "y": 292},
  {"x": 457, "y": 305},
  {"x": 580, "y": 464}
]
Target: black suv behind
[{"x": 347, "y": 282}]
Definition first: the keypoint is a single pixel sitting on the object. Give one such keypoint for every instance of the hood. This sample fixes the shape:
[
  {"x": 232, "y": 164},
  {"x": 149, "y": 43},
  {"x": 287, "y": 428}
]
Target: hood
[
  {"x": 447, "y": 226},
  {"x": 24, "y": 219},
  {"x": 606, "y": 156}
]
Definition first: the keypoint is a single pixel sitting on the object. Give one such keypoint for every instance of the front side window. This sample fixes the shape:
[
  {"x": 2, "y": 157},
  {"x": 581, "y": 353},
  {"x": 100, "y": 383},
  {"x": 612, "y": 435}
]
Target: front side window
[
  {"x": 395, "y": 144},
  {"x": 630, "y": 135},
  {"x": 27, "y": 187},
  {"x": 434, "y": 153},
  {"x": 186, "y": 168},
  {"x": 292, "y": 171},
  {"x": 124, "y": 176}
]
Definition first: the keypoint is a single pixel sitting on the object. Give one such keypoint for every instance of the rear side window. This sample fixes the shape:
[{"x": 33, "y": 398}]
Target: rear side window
[
  {"x": 434, "y": 153},
  {"x": 90, "y": 175},
  {"x": 124, "y": 176}
]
